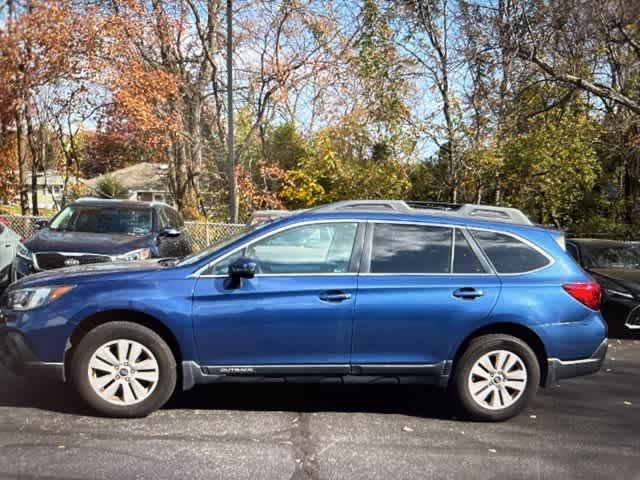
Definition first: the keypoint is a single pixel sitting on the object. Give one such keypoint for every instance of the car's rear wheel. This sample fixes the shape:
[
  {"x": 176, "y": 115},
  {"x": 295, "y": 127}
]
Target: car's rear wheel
[
  {"x": 123, "y": 369},
  {"x": 496, "y": 377}
]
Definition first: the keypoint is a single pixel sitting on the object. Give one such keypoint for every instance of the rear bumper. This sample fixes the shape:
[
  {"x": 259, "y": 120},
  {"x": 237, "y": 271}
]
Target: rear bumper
[
  {"x": 560, "y": 369},
  {"x": 18, "y": 358}
]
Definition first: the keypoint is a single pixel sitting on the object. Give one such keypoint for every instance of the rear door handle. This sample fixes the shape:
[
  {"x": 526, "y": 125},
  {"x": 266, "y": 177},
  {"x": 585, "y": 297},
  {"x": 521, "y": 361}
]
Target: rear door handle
[
  {"x": 468, "y": 293},
  {"x": 334, "y": 297}
]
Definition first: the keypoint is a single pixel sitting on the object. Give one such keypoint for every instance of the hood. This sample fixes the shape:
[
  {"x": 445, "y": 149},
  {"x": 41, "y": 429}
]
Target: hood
[
  {"x": 93, "y": 272},
  {"x": 627, "y": 278},
  {"x": 102, "y": 243}
]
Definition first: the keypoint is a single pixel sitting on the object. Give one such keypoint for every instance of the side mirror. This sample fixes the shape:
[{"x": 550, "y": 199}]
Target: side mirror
[
  {"x": 40, "y": 224},
  {"x": 243, "y": 267},
  {"x": 169, "y": 232}
]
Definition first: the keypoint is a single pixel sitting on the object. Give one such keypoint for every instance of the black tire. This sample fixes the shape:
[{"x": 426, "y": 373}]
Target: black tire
[
  {"x": 101, "y": 335},
  {"x": 479, "y": 347}
]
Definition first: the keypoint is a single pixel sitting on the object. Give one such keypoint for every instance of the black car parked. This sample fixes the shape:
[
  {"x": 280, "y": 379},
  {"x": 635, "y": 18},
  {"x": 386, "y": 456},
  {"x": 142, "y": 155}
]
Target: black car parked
[
  {"x": 100, "y": 231},
  {"x": 616, "y": 267}
]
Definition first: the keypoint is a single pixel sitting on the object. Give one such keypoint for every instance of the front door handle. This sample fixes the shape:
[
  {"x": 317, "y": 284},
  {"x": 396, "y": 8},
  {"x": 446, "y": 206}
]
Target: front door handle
[
  {"x": 334, "y": 296},
  {"x": 468, "y": 293}
]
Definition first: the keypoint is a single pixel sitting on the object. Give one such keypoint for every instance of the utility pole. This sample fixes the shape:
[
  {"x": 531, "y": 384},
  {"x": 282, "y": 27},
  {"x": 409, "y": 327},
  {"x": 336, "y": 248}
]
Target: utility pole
[{"x": 233, "y": 199}]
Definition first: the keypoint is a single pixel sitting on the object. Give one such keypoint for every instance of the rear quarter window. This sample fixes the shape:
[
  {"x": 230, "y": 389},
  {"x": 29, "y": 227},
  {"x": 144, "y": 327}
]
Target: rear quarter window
[{"x": 508, "y": 254}]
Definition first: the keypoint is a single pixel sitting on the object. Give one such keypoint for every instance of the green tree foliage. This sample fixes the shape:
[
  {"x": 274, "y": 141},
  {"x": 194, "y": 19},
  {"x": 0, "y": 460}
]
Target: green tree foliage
[
  {"x": 381, "y": 72},
  {"x": 549, "y": 168},
  {"x": 109, "y": 187},
  {"x": 286, "y": 146},
  {"x": 337, "y": 170}
]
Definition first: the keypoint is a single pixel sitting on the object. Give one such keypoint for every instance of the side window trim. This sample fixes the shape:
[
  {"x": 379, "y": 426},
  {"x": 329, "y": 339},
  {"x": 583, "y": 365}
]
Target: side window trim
[
  {"x": 480, "y": 255},
  {"x": 452, "y": 255},
  {"x": 357, "y": 252},
  {"x": 359, "y": 237},
  {"x": 365, "y": 263},
  {"x": 531, "y": 245}
]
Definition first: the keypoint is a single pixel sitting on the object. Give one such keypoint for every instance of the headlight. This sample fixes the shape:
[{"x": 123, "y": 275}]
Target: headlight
[
  {"x": 23, "y": 252},
  {"x": 30, "y": 298},
  {"x": 135, "y": 255}
]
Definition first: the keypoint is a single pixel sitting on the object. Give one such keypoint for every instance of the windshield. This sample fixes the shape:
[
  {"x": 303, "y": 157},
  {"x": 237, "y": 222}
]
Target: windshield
[
  {"x": 101, "y": 219},
  {"x": 613, "y": 256}
]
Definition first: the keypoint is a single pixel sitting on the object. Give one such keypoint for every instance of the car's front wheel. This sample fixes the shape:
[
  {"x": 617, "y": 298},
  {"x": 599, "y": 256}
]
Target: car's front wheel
[
  {"x": 496, "y": 377},
  {"x": 123, "y": 369}
]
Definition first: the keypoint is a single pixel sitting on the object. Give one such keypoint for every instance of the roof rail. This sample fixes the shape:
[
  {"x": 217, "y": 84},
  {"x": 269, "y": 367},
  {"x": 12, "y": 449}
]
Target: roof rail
[{"x": 483, "y": 212}]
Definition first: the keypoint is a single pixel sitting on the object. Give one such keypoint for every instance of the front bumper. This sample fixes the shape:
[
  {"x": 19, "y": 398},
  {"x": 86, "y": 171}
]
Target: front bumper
[
  {"x": 560, "y": 369},
  {"x": 18, "y": 358}
]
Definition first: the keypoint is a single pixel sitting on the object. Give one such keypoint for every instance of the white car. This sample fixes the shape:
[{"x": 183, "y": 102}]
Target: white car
[{"x": 9, "y": 241}]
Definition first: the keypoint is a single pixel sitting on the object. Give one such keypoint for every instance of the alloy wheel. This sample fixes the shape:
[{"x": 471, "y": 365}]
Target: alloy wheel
[
  {"x": 123, "y": 372},
  {"x": 497, "y": 380}
]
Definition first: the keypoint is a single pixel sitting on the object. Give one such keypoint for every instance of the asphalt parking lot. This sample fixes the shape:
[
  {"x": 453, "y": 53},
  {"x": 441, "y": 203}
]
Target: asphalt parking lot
[{"x": 585, "y": 428}]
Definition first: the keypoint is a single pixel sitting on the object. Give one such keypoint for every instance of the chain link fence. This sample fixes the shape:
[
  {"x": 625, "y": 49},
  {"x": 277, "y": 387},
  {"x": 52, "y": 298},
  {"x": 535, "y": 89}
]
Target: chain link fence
[
  {"x": 25, "y": 226},
  {"x": 202, "y": 234}
]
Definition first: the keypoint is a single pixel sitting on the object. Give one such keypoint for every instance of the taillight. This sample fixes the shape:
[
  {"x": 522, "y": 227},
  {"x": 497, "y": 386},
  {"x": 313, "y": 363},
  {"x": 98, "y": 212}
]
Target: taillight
[{"x": 587, "y": 293}]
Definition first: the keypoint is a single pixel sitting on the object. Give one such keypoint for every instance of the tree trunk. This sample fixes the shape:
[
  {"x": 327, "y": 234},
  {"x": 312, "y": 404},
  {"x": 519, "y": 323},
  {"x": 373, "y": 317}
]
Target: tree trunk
[
  {"x": 35, "y": 145},
  {"x": 21, "y": 133}
]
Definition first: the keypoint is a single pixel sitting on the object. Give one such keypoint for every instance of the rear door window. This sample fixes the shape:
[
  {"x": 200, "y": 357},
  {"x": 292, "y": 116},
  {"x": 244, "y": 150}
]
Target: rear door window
[
  {"x": 508, "y": 254},
  {"x": 410, "y": 249}
]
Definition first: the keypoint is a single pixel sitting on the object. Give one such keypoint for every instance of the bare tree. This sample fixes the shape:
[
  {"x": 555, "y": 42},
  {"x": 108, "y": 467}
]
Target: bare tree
[{"x": 432, "y": 48}]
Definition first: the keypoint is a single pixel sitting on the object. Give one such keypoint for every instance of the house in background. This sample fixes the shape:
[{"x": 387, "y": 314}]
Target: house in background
[
  {"x": 50, "y": 187},
  {"x": 147, "y": 182}
]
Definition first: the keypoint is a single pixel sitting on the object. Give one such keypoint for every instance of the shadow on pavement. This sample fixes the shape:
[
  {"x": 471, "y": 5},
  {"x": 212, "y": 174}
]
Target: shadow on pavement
[{"x": 416, "y": 400}]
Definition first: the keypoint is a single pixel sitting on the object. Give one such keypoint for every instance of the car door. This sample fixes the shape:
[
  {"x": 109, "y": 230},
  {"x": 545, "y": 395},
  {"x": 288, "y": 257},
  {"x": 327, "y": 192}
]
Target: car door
[
  {"x": 295, "y": 315},
  {"x": 421, "y": 286}
]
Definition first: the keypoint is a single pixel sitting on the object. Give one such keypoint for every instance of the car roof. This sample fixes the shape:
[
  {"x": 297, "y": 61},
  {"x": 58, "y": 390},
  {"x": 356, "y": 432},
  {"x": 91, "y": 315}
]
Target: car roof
[
  {"x": 394, "y": 216},
  {"x": 109, "y": 202}
]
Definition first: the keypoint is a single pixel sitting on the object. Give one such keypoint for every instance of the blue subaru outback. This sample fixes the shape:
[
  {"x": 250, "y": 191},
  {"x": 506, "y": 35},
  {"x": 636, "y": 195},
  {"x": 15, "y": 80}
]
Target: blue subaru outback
[{"x": 476, "y": 300}]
